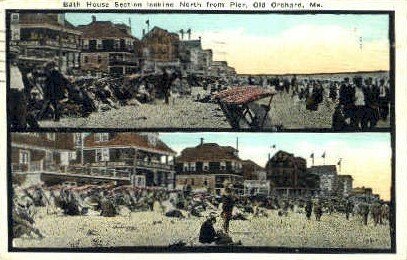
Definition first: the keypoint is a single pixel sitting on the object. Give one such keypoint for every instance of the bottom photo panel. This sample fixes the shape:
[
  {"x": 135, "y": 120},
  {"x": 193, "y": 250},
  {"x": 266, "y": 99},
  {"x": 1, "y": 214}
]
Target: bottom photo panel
[{"x": 200, "y": 192}]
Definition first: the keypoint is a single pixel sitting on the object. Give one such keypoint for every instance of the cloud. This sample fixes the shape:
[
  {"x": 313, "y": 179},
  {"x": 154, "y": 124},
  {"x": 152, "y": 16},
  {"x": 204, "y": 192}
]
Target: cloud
[{"x": 300, "y": 49}]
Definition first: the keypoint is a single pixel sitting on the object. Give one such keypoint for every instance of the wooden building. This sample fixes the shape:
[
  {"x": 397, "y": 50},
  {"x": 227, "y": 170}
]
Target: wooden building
[
  {"x": 44, "y": 37},
  {"x": 288, "y": 175},
  {"x": 35, "y": 153},
  {"x": 210, "y": 166},
  {"x": 143, "y": 158},
  {"x": 160, "y": 50},
  {"x": 109, "y": 48}
]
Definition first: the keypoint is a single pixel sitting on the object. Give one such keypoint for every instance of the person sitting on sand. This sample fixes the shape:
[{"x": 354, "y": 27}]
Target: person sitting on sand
[{"x": 207, "y": 234}]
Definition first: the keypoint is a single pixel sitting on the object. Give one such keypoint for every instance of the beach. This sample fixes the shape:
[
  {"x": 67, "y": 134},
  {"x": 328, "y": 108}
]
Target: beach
[{"x": 154, "y": 229}]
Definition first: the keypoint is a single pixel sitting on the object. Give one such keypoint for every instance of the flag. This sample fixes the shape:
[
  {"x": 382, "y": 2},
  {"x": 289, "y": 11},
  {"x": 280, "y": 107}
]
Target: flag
[
  {"x": 274, "y": 146},
  {"x": 312, "y": 156},
  {"x": 148, "y": 22},
  {"x": 323, "y": 155}
]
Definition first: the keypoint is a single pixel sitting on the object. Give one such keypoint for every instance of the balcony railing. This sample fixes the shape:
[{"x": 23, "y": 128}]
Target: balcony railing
[
  {"x": 27, "y": 167},
  {"x": 39, "y": 43},
  {"x": 122, "y": 63},
  {"x": 131, "y": 162},
  {"x": 100, "y": 172}
]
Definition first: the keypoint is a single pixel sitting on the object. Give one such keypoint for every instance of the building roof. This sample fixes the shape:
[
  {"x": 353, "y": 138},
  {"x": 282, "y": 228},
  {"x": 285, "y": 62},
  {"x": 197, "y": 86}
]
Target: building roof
[
  {"x": 250, "y": 163},
  {"x": 208, "y": 152},
  {"x": 156, "y": 30},
  {"x": 322, "y": 170},
  {"x": 129, "y": 140},
  {"x": 63, "y": 141},
  {"x": 42, "y": 18},
  {"x": 345, "y": 177},
  {"x": 103, "y": 29}
]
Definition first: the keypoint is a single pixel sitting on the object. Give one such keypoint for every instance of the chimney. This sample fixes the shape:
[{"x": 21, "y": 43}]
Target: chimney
[
  {"x": 237, "y": 143},
  {"x": 144, "y": 32},
  {"x": 269, "y": 157},
  {"x": 93, "y": 18},
  {"x": 202, "y": 140}
]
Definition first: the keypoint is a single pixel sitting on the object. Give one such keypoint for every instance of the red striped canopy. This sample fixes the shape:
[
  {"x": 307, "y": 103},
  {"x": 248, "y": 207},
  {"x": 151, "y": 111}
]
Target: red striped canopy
[{"x": 243, "y": 95}]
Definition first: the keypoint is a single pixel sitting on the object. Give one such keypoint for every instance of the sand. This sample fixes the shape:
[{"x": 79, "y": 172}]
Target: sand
[
  {"x": 142, "y": 229},
  {"x": 183, "y": 112}
]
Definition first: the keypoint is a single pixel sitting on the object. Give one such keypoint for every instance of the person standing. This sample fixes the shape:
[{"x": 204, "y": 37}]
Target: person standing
[
  {"x": 54, "y": 91},
  {"x": 347, "y": 98},
  {"x": 308, "y": 209},
  {"x": 227, "y": 208},
  {"x": 318, "y": 210},
  {"x": 384, "y": 100},
  {"x": 17, "y": 100},
  {"x": 348, "y": 208}
]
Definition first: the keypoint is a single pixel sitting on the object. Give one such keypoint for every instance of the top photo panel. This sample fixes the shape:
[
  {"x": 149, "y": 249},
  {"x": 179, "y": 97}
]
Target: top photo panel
[{"x": 180, "y": 71}]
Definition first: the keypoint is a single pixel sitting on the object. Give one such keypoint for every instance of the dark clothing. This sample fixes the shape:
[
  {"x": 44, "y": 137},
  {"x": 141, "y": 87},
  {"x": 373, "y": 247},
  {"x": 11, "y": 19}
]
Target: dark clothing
[
  {"x": 332, "y": 92},
  {"x": 54, "y": 91},
  {"x": 228, "y": 203},
  {"x": 308, "y": 210},
  {"x": 207, "y": 233},
  {"x": 347, "y": 95},
  {"x": 55, "y": 84},
  {"x": 17, "y": 109},
  {"x": 227, "y": 209},
  {"x": 338, "y": 121}
]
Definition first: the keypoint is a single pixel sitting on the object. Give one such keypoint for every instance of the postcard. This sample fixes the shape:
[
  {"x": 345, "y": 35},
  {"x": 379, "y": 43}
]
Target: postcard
[{"x": 144, "y": 128}]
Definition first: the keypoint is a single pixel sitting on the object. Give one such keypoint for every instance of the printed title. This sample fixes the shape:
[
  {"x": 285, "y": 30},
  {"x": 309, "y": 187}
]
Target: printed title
[{"x": 193, "y": 5}]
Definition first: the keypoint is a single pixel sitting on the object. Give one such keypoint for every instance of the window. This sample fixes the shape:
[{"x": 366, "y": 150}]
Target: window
[
  {"x": 78, "y": 139},
  {"x": 223, "y": 165},
  {"x": 205, "y": 182},
  {"x": 99, "y": 45},
  {"x": 116, "y": 44},
  {"x": 99, "y": 59},
  {"x": 192, "y": 182},
  {"x": 15, "y": 18},
  {"x": 205, "y": 166},
  {"x": 102, "y": 155},
  {"x": 192, "y": 167},
  {"x": 85, "y": 59},
  {"x": 85, "y": 44},
  {"x": 24, "y": 157},
  {"x": 51, "y": 136},
  {"x": 101, "y": 137}
]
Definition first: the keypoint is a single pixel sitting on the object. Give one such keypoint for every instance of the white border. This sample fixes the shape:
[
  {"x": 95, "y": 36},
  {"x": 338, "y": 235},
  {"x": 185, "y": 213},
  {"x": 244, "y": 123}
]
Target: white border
[{"x": 400, "y": 8}]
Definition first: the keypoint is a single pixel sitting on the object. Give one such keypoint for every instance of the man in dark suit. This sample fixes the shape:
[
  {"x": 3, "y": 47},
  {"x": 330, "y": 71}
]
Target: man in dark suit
[
  {"x": 54, "y": 91},
  {"x": 347, "y": 98}
]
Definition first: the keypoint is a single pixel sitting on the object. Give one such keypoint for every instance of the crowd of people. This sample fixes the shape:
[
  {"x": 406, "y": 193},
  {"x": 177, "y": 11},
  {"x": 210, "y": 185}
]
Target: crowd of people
[
  {"x": 110, "y": 200},
  {"x": 359, "y": 104},
  {"x": 39, "y": 92},
  {"x": 43, "y": 92}
]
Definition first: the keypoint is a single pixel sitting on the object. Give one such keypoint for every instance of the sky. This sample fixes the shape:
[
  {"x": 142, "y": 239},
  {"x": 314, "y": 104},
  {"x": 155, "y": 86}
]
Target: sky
[
  {"x": 365, "y": 156},
  {"x": 275, "y": 43}
]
